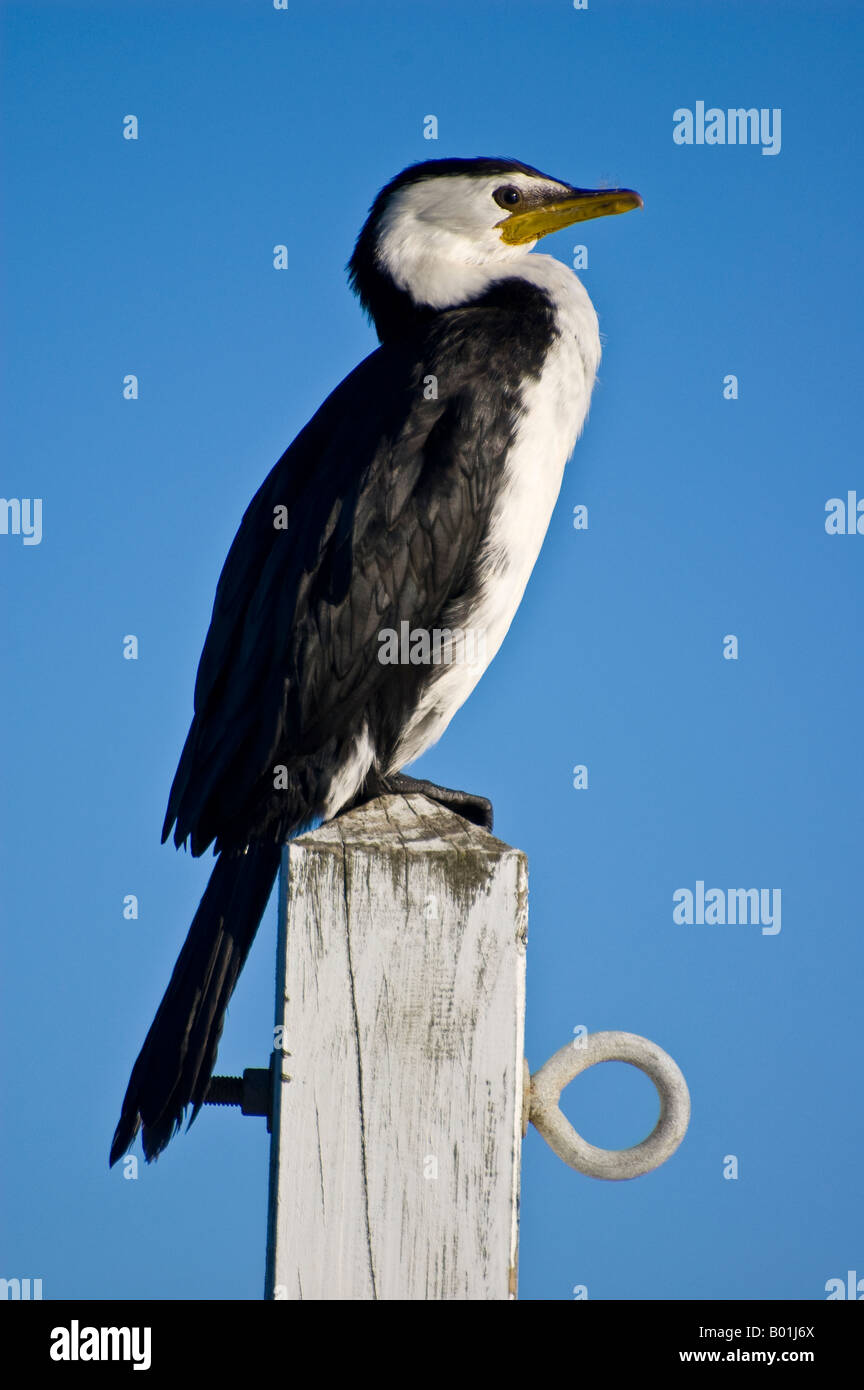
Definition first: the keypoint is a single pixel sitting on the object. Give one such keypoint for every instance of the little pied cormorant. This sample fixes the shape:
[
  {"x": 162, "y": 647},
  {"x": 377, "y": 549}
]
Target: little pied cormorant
[{"x": 397, "y": 504}]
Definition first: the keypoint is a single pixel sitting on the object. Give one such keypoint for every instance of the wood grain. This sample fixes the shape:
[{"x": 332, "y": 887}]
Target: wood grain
[{"x": 396, "y": 1141}]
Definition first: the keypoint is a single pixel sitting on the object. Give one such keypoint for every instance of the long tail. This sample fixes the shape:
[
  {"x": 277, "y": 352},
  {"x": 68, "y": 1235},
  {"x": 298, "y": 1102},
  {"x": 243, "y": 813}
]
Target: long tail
[{"x": 175, "y": 1064}]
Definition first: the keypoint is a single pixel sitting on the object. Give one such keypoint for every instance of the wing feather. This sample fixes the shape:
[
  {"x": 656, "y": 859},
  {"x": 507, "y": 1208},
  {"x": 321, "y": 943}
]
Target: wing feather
[{"x": 388, "y": 497}]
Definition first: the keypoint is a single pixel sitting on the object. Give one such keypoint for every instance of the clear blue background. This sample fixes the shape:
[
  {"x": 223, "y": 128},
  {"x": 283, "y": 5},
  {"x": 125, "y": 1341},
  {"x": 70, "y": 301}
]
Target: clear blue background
[{"x": 259, "y": 127}]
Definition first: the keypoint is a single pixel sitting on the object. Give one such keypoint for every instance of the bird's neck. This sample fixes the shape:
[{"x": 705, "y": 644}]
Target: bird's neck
[{"x": 399, "y": 311}]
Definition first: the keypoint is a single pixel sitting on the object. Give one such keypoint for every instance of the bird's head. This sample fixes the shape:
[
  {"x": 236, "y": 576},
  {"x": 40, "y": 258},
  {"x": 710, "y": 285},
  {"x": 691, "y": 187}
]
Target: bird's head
[{"x": 439, "y": 231}]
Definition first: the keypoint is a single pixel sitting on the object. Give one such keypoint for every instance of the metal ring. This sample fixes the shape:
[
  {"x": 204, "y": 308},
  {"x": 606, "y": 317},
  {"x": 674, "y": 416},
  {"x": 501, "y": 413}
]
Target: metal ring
[{"x": 614, "y": 1164}]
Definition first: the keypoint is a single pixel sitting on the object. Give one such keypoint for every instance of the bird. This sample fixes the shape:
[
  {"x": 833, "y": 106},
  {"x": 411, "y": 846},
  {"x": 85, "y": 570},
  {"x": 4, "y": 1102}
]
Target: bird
[{"x": 416, "y": 498}]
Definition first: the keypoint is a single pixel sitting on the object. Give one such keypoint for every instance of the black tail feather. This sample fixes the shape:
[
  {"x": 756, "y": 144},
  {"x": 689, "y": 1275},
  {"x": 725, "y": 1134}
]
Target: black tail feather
[{"x": 175, "y": 1064}]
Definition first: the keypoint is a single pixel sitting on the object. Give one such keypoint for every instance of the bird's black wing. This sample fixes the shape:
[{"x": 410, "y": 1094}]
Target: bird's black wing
[{"x": 387, "y": 494}]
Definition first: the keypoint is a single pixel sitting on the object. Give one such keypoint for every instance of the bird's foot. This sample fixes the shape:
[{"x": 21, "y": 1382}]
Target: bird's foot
[{"x": 472, "y": 808}]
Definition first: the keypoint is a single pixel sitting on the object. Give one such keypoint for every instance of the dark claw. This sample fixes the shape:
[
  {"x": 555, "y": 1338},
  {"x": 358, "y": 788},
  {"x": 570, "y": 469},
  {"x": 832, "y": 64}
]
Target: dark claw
[{"x": 476, "y": 809}]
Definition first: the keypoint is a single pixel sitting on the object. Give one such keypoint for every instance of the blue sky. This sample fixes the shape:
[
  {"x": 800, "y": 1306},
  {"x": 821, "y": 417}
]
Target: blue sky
[{"x": 706, "y": 518}]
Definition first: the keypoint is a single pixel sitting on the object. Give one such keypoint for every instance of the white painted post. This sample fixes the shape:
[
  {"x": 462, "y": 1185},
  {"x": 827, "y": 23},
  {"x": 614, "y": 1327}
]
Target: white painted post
[{"x": 394, "y": 1169}]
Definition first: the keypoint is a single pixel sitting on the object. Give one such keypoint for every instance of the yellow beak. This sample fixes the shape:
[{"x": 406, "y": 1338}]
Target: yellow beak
[{"x": 529, "y": 224}]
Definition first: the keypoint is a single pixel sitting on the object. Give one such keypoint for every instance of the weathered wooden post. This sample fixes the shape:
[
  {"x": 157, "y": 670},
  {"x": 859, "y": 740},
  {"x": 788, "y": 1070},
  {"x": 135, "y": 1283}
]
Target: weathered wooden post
[{"x": 397, "y": 1117}]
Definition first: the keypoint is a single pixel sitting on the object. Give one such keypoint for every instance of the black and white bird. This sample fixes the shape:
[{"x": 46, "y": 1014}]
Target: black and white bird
[{"x": 419, "y": 493}]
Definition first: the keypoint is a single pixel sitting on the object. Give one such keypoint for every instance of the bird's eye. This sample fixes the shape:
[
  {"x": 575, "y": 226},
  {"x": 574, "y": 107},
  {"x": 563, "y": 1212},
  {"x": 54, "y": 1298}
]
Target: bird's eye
[{"x": 508, "y": 196}]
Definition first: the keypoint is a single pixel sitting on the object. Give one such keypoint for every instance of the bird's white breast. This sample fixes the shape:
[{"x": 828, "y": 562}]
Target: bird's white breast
[{"x": 554, "y": 409}]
